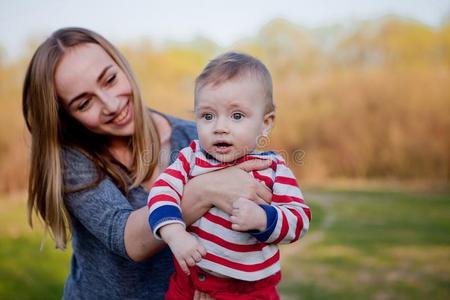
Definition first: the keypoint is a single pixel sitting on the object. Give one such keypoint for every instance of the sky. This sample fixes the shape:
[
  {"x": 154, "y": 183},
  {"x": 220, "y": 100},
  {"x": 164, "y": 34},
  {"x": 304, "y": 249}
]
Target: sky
[{"x": 182, "y": 20}]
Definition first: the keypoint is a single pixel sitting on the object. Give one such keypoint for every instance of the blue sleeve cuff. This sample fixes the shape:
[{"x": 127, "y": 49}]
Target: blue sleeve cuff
[
  {"x": 164, "y": 215},
  {"x": 272, "y": 218}
]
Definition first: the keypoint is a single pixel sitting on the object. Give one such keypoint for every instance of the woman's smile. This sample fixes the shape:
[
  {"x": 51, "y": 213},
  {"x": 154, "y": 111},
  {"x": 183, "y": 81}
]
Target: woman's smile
[{"x": 124, "y": 117}]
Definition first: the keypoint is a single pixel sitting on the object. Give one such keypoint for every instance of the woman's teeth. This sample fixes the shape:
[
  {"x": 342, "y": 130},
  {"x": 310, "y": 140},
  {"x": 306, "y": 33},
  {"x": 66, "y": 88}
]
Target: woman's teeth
[{"x": 121, "y": 116}]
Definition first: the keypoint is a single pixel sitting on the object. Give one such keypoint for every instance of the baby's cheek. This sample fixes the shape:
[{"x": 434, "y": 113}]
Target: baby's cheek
[
  {"x": 204, "y": 138},
  {"x": 201, "y": 132}
]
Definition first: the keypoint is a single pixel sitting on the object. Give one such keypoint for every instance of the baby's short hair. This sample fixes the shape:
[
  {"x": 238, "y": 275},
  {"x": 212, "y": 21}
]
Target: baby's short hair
[{"x": 231, "y": 65}]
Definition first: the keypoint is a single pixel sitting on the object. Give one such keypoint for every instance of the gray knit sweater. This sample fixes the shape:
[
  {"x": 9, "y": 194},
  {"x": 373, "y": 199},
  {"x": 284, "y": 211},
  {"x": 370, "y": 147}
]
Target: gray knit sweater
[{"x": 100, "y": 267}]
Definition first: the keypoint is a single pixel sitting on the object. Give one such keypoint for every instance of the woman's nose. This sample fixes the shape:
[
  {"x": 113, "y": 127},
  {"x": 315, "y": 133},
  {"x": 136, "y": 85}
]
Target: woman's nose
[{"x": 110, "y": 103}]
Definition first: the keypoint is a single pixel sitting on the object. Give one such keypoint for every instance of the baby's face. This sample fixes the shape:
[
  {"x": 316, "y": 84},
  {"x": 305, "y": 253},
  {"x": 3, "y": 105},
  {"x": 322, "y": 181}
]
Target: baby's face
[{"x": 230, "y": 117}]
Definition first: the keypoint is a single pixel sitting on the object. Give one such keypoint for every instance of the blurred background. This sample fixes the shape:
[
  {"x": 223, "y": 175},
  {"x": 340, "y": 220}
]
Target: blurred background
[{"x": 362, "y": 90}]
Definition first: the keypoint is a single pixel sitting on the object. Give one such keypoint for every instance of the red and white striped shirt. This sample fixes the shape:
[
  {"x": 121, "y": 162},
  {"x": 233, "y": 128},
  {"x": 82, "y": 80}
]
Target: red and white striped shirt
[{"x": 241, "y": 255}]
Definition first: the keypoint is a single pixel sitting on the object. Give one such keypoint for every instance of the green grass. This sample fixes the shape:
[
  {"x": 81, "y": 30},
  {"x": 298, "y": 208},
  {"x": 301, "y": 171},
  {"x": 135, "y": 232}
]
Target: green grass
[
  {"x": 371, "y": 245},
  {"x": 361, "y": 245},
  {"x": 26, "y": 271}
]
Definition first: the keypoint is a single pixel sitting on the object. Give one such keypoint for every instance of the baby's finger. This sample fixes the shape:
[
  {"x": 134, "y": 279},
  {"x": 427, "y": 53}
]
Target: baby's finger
[
  {"x": 235, "y": 227},
  {"x": 259, "y": 200},
  {"x": 200, "y": 296},
  {"x": 190, "y": 261},
  {"x": 234, "y": 219},
  {"x": 204, "y": 296},
  {"x": 197, "y": 256},
  {"x": 184, "y": 267},
  {"x": 202, "y": 251},
  {"x": 196, "y": 295}
]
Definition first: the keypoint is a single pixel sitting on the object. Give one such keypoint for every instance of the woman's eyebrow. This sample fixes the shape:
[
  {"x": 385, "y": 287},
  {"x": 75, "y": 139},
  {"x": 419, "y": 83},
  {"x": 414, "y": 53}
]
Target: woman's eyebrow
[
  {"x": 99, "y": 78},
  {"x": 76, "y": 98}
]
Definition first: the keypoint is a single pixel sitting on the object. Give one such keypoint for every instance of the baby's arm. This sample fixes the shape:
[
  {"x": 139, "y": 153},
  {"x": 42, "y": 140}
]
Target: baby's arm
[
  {"x": 286, "y": 219},
  {"x": 292, "y": 214},
  {"x": 165, "y": 216}
]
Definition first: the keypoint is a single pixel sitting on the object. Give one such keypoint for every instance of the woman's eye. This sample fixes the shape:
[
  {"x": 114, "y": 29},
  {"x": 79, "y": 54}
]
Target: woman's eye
[
  {"x": 111, "y": 79},
  {"x": 84, "y": 104},
  {"x": 207, "y": 116},
  {"x": 237, "y": 115}
]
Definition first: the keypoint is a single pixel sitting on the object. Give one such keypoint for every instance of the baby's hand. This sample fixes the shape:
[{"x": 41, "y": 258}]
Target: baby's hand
[
  {"x": 186, "y": 248},
  {"x": 247, "y": 215}
]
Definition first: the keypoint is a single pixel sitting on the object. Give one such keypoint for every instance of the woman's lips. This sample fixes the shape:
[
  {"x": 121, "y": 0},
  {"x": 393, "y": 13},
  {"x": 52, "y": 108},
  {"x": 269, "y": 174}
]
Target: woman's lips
[{"x": 123, "y": 117}]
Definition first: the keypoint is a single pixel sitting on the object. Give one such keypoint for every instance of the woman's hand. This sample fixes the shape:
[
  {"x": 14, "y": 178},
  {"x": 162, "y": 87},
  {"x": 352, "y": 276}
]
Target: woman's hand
[
  {"x": 221, "y": 188},
  {"x": 230, "y": 184}
]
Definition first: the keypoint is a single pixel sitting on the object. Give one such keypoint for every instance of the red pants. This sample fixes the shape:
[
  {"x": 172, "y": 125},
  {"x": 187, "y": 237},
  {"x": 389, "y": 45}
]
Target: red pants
[{"x": 182, "y": 286}]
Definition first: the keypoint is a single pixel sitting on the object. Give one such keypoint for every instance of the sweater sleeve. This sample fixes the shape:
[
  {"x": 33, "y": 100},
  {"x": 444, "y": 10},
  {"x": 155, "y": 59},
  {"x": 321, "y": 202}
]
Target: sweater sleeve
[
  {"x": 293, "y": 215},
  {"x": 165, "y": 195},
  {"x": 102, "y": 210}
]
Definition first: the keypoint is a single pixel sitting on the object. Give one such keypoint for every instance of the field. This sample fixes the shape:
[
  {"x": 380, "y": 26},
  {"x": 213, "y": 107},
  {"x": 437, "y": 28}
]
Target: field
[{"x": 369, "y": 244}]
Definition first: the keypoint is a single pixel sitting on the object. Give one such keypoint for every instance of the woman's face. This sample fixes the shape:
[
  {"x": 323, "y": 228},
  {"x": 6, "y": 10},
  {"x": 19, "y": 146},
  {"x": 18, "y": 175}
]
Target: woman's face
[{"x": 95, "y": 91}]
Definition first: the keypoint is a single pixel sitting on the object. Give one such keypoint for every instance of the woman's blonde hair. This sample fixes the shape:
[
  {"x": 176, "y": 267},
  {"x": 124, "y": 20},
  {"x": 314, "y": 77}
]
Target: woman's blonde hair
[{"x": 52, "y": 128}]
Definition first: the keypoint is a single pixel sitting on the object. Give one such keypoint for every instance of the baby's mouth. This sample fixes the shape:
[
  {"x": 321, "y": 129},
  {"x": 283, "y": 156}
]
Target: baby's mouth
[
  {"x": 222, "y": 145},
  {"x": 222, "y": 148}
]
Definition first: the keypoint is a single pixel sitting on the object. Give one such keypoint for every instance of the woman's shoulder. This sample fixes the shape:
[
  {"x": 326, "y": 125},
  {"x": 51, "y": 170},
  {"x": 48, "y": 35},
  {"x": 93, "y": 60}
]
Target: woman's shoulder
[
  {"x": 73, "y": 157},
  {"x": 181, "y": 126},
  {"x": 183, "y": 131},
  {"x": 78, "y": 169},
  {"x": 72, "y": 152}
]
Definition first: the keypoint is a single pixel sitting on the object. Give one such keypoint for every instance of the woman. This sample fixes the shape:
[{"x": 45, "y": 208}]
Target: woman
[{"x": 95, "y": 151}]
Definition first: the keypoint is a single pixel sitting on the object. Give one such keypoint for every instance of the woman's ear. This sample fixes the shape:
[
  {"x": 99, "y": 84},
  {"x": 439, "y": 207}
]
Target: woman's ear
[{"x": 268, "y": 122}]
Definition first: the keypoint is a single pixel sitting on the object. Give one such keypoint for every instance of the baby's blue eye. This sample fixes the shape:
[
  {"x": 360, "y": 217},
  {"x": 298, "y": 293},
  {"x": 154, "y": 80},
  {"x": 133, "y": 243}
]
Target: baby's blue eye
[
  {"x": 207, "y": 116},
  {"x": 237, "y": 115}
]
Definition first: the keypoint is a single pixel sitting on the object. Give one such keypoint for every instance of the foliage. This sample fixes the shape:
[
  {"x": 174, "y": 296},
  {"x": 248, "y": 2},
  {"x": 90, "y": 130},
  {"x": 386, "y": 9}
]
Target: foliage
[{"x": 370, "y": 100}]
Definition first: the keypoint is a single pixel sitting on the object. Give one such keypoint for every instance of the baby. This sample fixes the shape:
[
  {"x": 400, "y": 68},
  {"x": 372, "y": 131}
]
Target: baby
[{"x": 229, "y": 256}]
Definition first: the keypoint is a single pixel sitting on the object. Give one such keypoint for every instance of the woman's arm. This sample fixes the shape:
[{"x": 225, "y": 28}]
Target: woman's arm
[
  {"x": 139, "y": 241},
  {"x": 219, "y": 188}
]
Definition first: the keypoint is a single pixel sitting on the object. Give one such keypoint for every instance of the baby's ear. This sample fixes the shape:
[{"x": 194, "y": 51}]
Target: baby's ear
[{"x": 269, "y": 122}]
